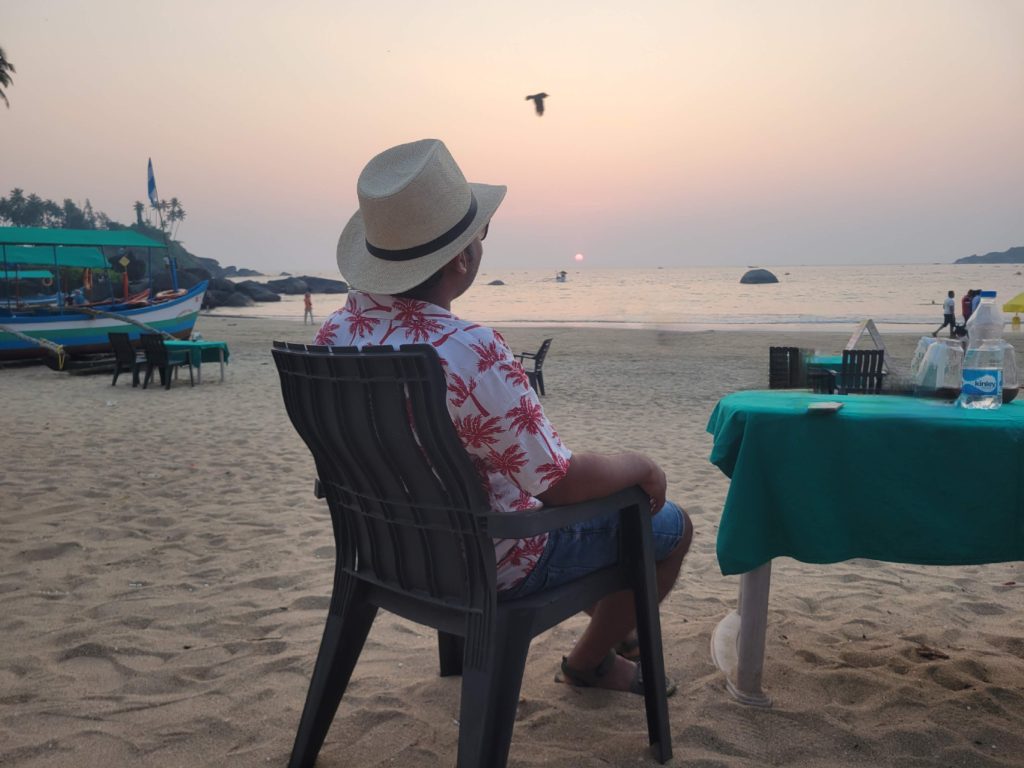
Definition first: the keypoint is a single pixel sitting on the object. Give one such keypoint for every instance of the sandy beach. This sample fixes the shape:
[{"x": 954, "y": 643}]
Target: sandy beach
[{"x": 165, "y": 573}]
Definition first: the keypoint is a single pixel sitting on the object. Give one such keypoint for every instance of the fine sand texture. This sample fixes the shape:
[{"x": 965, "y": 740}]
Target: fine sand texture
[{"x": 165, "y": 573}]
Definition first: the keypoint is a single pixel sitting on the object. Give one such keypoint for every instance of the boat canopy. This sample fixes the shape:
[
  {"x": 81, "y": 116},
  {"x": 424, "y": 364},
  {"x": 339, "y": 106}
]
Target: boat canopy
[
  {"x": 26, "y": 274},
  {"x": 54, "y": 256},
  {"x": 98, "y": 238}
]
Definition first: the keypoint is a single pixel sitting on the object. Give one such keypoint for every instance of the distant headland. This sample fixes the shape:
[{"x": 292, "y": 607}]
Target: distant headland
[{"x": 1011, "y": 256}]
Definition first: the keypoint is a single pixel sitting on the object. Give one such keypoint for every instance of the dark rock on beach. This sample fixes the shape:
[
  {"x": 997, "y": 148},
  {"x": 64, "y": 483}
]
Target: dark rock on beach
[
  {"x": 756, "y": 276},
  {"x": 256, "y": 291},
  {"x": 214, "y": 298},
  {"x": 496, "y": 282},
  {"x": 240, "y": 272},
  {"x": 221, "y": 284},
  {"x": 325, "y": 285},
  {"x": 298, "y": 285},
  {"x": 291, "y": 286}
]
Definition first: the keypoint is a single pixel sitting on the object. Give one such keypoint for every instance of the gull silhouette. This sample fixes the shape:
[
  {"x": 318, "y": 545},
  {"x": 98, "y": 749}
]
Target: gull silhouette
[{"x": 538, "y": 102}]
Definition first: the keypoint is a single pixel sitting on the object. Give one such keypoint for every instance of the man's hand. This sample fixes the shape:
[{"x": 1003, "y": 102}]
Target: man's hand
[{"x": 655, "y": 485}]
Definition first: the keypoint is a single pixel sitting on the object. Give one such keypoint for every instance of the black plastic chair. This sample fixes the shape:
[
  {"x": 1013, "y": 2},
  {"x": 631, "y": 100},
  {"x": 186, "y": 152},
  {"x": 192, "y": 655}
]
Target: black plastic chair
[
  {"x": 126, "y": 357},
  {"x": 861, "y": 373},
  {"x": 786, "y": 368},
  {"x": 161, "y": 359},
  {"x": 536, "y": 376},
  {"x": 414, "y": 535}
]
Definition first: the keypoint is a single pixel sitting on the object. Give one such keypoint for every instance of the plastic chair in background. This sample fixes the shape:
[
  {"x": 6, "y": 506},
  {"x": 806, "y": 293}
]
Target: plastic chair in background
[
  {"x": 414, "y": 535},
  {"x": 536, "y": 376},
  {"x": 161, "y": 359},
  {"x": 126, "y": 357},
  {"x": 861, "y": 373},
  {"x": 785, "y": 366}
]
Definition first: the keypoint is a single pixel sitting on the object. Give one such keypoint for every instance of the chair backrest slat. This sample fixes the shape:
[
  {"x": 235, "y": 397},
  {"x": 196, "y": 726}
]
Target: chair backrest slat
[
  {"x": 121, "y": 343},
  {"x": 783, "y": 367},
  {"x": 538, "y": 363},
  {"x": 862, "y": 370},
  {"x": 405, "y": 498},
  {"x": 156, "y": 352}
]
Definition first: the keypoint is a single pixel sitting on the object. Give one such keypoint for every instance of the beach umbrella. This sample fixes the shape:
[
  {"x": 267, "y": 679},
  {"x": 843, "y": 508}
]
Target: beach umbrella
[{"x": 1016, "y": 304}]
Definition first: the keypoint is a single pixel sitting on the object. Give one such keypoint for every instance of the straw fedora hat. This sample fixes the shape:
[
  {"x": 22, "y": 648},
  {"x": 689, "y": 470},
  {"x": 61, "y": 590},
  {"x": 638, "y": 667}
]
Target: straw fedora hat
[{"x": 416, "y": 213}]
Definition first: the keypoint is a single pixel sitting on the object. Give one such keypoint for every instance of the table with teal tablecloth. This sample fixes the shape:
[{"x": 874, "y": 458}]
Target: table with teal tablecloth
[
  {"x": 885, "y": 477},
  {"x": 202, "y": 352}
]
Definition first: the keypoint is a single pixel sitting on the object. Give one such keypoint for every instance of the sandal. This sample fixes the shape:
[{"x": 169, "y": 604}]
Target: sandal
[
  {"x": 629, "y": 648},
  {"x": 592, "y": 678}
]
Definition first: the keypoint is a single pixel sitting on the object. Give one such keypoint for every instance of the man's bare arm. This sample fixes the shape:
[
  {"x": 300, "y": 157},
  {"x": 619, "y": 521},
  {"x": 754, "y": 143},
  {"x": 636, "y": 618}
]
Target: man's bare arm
[{"x": 593, "y": 475}]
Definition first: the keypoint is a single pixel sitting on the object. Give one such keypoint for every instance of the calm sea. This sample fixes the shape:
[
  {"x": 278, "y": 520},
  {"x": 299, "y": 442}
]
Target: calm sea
[{"x": 901, "y": 297}]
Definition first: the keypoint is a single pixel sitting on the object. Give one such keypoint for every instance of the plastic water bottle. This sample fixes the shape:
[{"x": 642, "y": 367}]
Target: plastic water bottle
[
  {"x": 982, "y": 380},
  {"x": 986, "y": 322}
]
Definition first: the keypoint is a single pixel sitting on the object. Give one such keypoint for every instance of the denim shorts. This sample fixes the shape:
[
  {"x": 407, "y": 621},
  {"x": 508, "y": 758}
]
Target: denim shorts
[{"x": 586, "y": 547}]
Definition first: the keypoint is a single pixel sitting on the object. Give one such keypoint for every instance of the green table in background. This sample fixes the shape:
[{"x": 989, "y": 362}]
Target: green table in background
[
  {"x": 200, "y": 352},
  {"x": 870, "y": 480}
]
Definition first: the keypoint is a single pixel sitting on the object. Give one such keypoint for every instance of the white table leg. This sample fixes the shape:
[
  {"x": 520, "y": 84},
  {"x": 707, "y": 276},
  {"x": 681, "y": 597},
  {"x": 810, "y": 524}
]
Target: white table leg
[
  {"x": 199, "y": 371},
  {"x": 737, "y": 644}
]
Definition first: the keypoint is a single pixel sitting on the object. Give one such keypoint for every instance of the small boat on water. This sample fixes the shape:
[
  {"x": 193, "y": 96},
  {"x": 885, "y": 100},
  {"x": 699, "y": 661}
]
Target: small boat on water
[{"x": 37, "y": 329}]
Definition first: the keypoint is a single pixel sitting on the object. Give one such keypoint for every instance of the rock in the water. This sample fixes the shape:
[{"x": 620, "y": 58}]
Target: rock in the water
[
  {"x": 759, "y": 276},
  {"x": 496, "y": 282}
]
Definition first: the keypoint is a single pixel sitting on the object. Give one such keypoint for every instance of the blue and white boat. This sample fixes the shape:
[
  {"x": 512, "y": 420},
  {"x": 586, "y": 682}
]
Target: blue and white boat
[{"x": 32, "y": 329}]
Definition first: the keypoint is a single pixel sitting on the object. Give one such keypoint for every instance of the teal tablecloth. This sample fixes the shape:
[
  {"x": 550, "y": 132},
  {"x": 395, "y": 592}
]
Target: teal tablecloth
[
  {"x": 886, "y": 477},
  {"x": 201, "y": 351}
]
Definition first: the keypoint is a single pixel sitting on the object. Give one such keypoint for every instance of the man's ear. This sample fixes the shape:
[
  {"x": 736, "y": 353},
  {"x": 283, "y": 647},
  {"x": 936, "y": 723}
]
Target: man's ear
[{"x": 460, "y": 263}]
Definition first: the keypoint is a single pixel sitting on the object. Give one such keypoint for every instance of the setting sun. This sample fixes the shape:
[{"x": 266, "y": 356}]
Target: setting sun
[{"x": 579, "y": 257}]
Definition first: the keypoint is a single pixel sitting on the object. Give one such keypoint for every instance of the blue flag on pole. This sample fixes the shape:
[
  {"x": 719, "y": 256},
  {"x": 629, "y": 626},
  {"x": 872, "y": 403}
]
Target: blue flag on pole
[{"x": 151, "y": 184}]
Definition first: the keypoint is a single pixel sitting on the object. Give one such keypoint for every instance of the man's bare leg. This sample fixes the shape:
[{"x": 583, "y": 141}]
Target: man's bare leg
[{"x": 614, "y": 617}]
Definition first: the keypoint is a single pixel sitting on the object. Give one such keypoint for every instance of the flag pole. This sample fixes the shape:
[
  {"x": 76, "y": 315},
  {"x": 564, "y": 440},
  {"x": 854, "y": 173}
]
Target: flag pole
[{"x": 154, "y": 201}]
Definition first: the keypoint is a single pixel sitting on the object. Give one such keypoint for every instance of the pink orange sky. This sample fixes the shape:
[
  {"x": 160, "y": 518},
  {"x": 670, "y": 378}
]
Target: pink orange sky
[{"x": 676, "y": 133}]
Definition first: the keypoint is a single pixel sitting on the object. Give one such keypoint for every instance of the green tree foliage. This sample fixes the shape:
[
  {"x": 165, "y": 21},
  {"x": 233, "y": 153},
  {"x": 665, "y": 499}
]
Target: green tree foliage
[
  {"x": 20, "y": 210},
  {"x": 6, "y": 70}
]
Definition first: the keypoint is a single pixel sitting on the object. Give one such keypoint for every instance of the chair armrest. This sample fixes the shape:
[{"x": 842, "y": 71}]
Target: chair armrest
[
  {"x": 526, "y": 356},
  {"x": 521, "y": 525}
]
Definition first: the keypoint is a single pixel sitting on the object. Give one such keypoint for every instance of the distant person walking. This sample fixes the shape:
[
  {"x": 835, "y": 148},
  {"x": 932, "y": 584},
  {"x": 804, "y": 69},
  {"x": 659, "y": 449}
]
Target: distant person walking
[
  {"x": 948, "y": 316},
  {"x": 967, "y": 305},
  {"x": 307, "y": 316}
]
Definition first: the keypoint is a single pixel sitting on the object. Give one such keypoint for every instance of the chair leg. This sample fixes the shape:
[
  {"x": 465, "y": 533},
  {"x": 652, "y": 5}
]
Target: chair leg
[
  {"x": 148, "y": 377},
  {"x": 636, "y": 531},
  {"x": 340, "y": 647},
  {"x": 135, "y": 375},
  {"x": 490, "y": 692},
  {"x": 117, "y": 372},
  {"x": 191, "y": 381},
  {"x": 449, "y": 650},
  {"x": 540, "y": 383},
  {"x": 165, "y": 376}
]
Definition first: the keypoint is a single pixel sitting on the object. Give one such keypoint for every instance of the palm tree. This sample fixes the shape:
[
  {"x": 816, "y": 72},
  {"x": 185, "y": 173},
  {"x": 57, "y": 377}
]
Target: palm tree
[{"x": 6, "y": 70}]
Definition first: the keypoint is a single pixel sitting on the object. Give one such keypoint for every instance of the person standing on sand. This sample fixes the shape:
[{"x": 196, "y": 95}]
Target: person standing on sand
[
  {"x": 307, "y": 315},
  {"x": 948, "y": 316},
  {"x": 414, "y": 246}
]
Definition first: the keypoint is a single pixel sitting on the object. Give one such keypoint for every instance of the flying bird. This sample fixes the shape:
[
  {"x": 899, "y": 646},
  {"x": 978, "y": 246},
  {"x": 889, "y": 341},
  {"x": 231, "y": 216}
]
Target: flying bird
[{"x": 538, "y": 102}]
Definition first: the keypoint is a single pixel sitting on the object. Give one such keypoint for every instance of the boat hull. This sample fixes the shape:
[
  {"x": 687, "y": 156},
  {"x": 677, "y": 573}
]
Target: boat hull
[{"x": 80, "y": 333}]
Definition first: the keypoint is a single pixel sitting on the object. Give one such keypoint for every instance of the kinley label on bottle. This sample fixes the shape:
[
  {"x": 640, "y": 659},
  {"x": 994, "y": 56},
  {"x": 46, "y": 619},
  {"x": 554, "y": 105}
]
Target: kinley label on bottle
[{"x": 982, "y": 381}]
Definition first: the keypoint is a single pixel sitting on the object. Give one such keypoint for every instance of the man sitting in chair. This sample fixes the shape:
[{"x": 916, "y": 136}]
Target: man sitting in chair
[{"x": 414, "y": 245}]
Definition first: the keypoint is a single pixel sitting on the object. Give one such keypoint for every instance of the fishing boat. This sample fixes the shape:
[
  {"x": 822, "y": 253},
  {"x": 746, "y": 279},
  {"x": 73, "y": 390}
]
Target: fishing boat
[{"x": 65, "y": 332}]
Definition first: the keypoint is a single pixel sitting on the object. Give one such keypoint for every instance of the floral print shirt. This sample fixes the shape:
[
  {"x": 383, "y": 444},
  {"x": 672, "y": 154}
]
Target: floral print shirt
[{"x": 496, "y": 413}]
